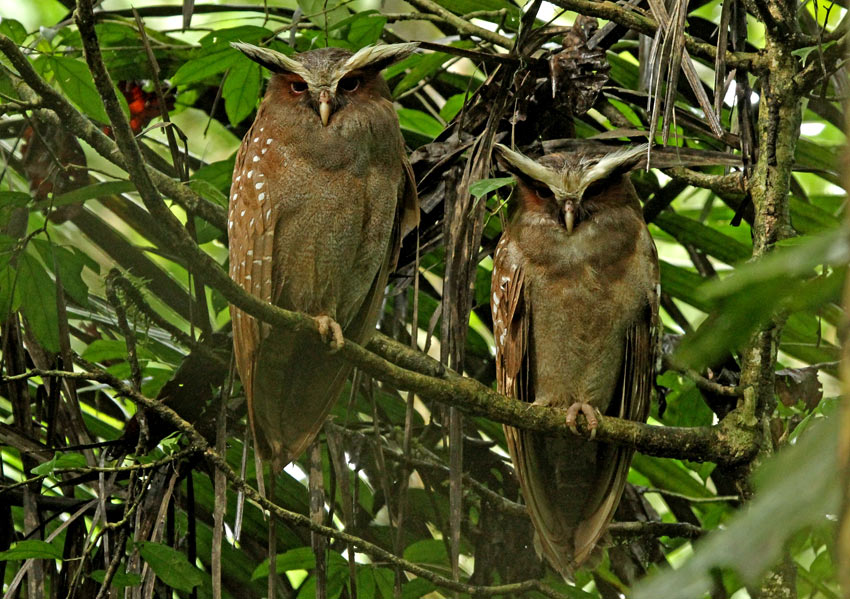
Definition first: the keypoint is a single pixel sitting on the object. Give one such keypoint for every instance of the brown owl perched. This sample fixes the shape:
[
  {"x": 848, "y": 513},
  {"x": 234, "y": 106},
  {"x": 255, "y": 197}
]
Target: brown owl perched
[
  {"x": 575, "y": 317},
  {"x": 322, "y": 195}
]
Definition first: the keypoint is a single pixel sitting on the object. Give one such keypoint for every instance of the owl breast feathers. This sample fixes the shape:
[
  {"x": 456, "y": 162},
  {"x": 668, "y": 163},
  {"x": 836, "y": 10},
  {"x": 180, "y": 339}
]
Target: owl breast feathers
[
  {"x": 575, "y": 318},
  {"x": 322, "y": 194}
]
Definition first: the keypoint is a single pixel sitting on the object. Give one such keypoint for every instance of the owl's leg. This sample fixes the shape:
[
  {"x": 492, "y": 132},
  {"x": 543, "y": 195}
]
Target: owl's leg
[
  {"x": 589, "y": 414},
  {"x": 331, "y": 332}
]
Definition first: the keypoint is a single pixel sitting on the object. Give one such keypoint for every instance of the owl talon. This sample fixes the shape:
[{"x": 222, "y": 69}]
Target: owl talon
[
  {"x": 331, "y": 332},
  {"x": 590, "y": 415}
]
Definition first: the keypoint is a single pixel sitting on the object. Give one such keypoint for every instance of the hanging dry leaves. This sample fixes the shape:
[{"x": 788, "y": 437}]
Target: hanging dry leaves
[{"x": 578, "y": 72}]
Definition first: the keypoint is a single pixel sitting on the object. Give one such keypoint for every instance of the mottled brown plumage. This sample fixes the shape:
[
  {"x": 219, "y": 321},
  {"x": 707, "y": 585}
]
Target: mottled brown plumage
[
  {"x": 575, "y": 313},
  {"x": 321, "y": 197}
]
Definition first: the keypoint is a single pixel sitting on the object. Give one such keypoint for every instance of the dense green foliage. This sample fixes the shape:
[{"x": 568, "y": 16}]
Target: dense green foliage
[{"x": 88, "y": 278}]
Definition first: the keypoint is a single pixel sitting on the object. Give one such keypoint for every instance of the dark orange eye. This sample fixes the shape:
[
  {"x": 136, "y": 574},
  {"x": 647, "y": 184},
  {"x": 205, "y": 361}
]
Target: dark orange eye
[
  {"x": 298, "y": 87},
  {"x": 543, "y": 191},
  {"x": 595, "y": 189},
  {"x": 349, "y": 84}
]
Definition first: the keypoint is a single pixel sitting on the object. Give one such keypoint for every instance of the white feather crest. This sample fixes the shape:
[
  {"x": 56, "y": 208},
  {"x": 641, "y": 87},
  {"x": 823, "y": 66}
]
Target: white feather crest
[
  {"x": 271, "y": 59},
  {"x": 529, "y": 167},
  {"x": 365, "y": 57},
  {"x": 612, "y": 161}
]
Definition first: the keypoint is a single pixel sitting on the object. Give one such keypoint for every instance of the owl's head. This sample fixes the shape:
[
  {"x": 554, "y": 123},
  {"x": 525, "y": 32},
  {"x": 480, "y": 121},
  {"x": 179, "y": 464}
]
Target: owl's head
[
  {"x": 562, "y": 184},
  {"x": 328, "y": 78}
]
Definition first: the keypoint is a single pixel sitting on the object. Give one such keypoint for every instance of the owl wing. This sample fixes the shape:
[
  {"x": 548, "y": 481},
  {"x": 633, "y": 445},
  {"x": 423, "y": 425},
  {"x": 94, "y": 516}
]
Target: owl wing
[
  {"x": 407, "y": 212},
  {"x": 251, "y": 226},
  {"x": 406, "y": 219},
  {"x": 409, "y": 205},
  {"x": 511, "y": 321}
]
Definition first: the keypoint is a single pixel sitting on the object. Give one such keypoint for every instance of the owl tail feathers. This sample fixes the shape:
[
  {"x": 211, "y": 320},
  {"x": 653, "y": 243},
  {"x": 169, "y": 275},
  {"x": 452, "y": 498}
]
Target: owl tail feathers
[
  {"x": 594, "y": 526},
  {"x": 580, "y": 548},
  {"x": 559, "y": 557},
  {"x": 296, "y": 384}
]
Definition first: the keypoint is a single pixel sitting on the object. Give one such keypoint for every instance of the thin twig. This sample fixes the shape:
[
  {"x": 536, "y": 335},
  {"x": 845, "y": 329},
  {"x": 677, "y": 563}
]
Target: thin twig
[{"x": 462, "y": 24}]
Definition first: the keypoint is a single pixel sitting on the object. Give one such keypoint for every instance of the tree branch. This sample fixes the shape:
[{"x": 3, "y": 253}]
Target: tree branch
[
  {"x": 816, "y": 70},
  {"x": 462, "y": 25},
  {"x": 632, "y": 530},
  {"x": 723, "y": 185},
  {"x": 636, "y": 21}
]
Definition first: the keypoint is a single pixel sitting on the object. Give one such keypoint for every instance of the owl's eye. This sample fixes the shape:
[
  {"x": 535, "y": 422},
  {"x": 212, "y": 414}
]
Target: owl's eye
[
  {"x": 298, "y": 87},
  {"x": 543, "y": 191},
  {"x": 349, "y": 84},
  {"x": 595, "y": 189}
]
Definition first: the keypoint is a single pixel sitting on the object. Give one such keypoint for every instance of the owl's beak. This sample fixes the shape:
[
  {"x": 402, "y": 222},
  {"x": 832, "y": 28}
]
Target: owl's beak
[
  {"x": 569, "y": 216},
  {"x": 325, "y": 101}
]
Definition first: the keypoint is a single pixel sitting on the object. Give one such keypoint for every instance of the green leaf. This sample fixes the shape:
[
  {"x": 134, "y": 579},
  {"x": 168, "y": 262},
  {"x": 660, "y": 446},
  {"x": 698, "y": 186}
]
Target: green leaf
[
  {"x": 484, "y": 186},
  {"x": 69, "y": 263},
  {"x": 13, "y": 30},
  {"x": 31, "y": 549},
  {"x": 10, "y": 203},
  {"x": 206, "y": 65},
  {"x": 38, "y": 300},
  {"x": 216, "y": 55},
  {"x": 808, "y": 218},
  {"x": 221, "y": 38},
  {"x": 324, "y": 13},
  {"x": 170, "y": 566},
  {"x": 75, "y": 80},
  {"x": 366, "y": 28},
  {"x": 241, "y": 90},
  {"x": 427, "y": 551},
  {"x": 803, "y": 53},
  {"x": 452, "y": 107},
  {"x": 61, "y": 460},
  {"x": 425, "y": 66},
  {"x": 205, "y": 232},
  {"x": 93, "y": 191},
  {"x": 712, "y": 242},
  {"x": 10, "y": 291},
  {"x": 818, "y": 157},
  {"x": 365, "y": 581},
  {"x": 669, "y": 474},
  {"x": 624, "y": 72},
  {"x": 300, "y": 558},
  {"x": 796, "y": 258},
  {"x": 208, "y": 191},
  {"x": 219, "y": 174},
  {"x": 796, "y": 488},
  {"x": 120, "y": 580},
  {"x": 419, "y": 122},
  {"x": 101, "y": 350},
  {"x": 385, "y": 581},
  {"x": 336, "y": 579},
  {"x": 417, "y": 588},
  {"x": 683, "y": 284}
]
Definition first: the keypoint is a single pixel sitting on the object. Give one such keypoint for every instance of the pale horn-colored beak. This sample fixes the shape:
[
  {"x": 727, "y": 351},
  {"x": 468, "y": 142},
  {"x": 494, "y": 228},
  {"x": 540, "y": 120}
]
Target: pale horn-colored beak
[
  {"x": 569, "y": 216},
  {"x": 325, "y": 106}
]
